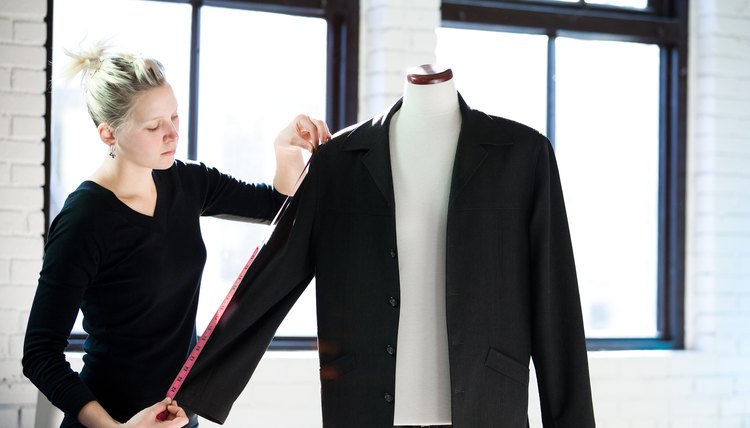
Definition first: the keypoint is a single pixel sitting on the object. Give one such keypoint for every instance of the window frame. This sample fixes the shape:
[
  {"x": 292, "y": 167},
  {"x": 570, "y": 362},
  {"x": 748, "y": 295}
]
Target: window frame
[
  {"x": 664, "y": 23},
  {"x": 342, "y": 52},
  {"x": 342, "y": 64}
]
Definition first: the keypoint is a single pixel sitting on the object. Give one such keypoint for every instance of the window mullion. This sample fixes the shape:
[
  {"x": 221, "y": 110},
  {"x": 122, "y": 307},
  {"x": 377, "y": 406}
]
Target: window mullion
[
  {"x": 551, "y": 88},
  {"x": 343, "y": 41},
  {"x": 194, "y": 88}
]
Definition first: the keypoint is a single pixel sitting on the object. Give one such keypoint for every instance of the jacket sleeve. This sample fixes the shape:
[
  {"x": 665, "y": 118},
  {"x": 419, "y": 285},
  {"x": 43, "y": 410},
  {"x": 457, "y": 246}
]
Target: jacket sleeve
[
  {"x": 277, "y": 277},
  {"x": 558, "y": 339}
]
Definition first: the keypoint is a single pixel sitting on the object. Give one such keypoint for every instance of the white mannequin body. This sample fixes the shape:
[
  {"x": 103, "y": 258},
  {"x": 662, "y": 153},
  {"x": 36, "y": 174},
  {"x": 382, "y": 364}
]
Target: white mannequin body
[{"x": 423, "y": 136}]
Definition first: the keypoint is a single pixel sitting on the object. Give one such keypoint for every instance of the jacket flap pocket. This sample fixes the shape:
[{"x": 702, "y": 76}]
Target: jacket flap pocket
[{"x": 507, "y": 366}]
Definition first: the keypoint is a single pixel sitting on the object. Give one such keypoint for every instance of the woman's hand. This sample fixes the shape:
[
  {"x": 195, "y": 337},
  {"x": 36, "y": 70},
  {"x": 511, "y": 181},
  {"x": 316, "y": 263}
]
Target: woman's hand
[
  {"x": 303, "y": 132},
  {"x": 93, "y": 415},
  {"x": 174, "y": 416}
]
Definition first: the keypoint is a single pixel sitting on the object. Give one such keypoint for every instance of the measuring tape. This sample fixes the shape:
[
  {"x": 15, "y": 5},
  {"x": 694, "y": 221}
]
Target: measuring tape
[{"x": 198, "y": 348}]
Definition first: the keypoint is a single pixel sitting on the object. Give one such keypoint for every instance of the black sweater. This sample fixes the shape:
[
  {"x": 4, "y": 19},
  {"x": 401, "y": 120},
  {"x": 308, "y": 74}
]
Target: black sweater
[{"x": 136, "y": 279}]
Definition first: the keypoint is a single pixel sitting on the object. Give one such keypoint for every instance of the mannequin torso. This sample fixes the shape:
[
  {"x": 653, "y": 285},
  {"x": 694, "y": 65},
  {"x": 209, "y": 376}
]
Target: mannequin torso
[{"x": 423, "y": 136}]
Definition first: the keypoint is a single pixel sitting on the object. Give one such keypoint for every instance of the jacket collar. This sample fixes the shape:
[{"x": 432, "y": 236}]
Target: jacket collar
[{"x": 477, "y": 131}]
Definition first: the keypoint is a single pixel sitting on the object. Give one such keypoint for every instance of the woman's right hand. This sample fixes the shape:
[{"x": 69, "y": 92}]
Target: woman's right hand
[
  {"x": 93, "y": 415},
  {"x": 146, "y": 418}
]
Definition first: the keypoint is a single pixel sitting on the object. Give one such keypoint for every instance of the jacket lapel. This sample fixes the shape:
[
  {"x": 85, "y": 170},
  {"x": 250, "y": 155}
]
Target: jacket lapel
[
  {"x": 372, "y": 137},
  {"x": 478, "y": 130}
]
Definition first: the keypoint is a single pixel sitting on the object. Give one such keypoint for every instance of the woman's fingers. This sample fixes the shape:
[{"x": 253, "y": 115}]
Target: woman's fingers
[
  {"x": 313, "y": 131},
  {"x": 303, "y": 132}
]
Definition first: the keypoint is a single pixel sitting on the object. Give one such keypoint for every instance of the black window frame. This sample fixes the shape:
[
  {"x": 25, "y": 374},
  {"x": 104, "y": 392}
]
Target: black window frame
[
  {"x": 661, "y": 22},
  {"x": 342, "y": 65}
]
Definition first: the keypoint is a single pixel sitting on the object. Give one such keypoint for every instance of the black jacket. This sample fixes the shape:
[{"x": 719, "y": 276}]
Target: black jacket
[{"x": 511, "y": 285}]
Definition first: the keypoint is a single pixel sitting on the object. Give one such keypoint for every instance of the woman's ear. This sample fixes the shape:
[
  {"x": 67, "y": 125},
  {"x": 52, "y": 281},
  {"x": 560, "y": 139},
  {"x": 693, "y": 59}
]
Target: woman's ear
[{"x": 106, "y": 134}]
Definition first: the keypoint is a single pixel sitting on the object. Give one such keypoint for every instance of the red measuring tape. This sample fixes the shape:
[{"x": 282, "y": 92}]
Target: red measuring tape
[{"x": 190, "y": 362}]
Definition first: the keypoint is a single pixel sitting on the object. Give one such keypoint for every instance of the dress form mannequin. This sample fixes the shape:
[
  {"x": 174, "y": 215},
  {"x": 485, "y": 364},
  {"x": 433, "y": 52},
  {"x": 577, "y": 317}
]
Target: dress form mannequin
[{"x": 423, "y": 136}]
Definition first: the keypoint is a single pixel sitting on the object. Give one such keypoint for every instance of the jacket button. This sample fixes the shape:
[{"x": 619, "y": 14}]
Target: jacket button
[
  {"x": 391, "y": 350},
  {"x": 393, "y": 253},
  {"x": 388, "y": 397},
  {"x": 393, "y": 301}
]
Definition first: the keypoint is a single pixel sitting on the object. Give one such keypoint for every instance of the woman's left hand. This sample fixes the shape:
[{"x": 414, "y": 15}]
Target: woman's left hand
[{"x": 303, "y": 132}]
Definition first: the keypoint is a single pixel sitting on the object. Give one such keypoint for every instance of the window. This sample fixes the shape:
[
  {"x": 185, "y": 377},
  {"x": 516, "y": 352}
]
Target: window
[
  {"x": 237, "y": 131},
  {"x": 609, "y": 167},
  {"x": 248, "y": 82},
  {"x": 605, "y": 81}
]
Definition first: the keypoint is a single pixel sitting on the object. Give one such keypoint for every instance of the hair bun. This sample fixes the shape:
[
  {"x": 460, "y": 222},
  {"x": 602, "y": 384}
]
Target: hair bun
[{"x": 87, "y": 60}]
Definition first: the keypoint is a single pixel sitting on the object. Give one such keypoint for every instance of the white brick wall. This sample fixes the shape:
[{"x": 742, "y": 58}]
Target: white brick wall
[
  {"x": 394, "y": 35},
  {"x": 718, "y": 183},
  {"x": 705, "y": 386},
  {"x": 23, "y": 33}
]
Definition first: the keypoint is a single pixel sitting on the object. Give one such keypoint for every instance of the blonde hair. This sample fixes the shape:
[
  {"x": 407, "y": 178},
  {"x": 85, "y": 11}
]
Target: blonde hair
[{"x": 112, "y": 80}]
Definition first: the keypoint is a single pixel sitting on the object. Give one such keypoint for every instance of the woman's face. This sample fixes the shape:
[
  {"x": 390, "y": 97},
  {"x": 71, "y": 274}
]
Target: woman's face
[{"x": 149, "y": 137}]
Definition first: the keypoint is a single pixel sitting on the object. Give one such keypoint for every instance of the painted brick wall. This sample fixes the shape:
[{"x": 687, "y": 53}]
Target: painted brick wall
[
  {"x": 706, "y": 386},
  {"x": 23, "y": 33},
  {"x": 721, "y": 176},
  {"x": 394, "y": 36}
]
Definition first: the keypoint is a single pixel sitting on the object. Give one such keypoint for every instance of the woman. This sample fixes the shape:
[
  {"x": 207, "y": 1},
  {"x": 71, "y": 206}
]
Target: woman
[{"x": 127, "y": 249}]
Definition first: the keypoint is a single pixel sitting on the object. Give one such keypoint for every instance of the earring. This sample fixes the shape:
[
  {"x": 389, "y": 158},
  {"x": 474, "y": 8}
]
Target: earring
[{"x": 112, "y": 153}]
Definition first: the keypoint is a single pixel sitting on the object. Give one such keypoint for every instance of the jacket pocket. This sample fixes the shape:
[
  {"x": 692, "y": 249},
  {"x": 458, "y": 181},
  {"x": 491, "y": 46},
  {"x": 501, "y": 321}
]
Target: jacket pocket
[
  {"x": 507, "y": 366},
  {"x": 337, "y": 368}
]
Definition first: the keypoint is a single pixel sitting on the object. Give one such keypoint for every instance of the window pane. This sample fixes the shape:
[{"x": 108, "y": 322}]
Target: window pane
[
  {"x": 608, "y": 150},
  {"x": 255, "y": 77},
  {"x": 156, "y": 29},
  {"x": 504, "y": 74}
]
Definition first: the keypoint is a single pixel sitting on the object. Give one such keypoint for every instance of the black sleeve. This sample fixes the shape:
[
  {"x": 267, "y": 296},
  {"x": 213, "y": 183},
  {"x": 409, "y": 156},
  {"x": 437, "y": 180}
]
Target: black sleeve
[
  {"x": 224, "y": 196},
  {"x": 558, "y": 344},
  {"x": 273, "y": 283},
  {"x": 70, "y": 262}
]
